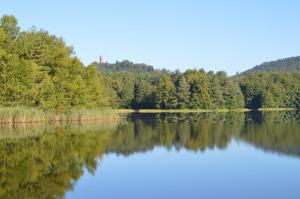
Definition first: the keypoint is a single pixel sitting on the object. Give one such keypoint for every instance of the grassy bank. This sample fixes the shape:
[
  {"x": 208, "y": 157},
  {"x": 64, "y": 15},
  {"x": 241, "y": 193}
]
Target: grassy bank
[
  {"x": 179, "y": 110},
  {"x": 19, "y": 115},
  {"x": 15, "y": 115},
  {"x": 199, "y": 110}
]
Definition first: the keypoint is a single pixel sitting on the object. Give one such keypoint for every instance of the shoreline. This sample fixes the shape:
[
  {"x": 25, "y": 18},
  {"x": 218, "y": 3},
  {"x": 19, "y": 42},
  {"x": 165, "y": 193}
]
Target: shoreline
[
  {"x": 34, "y": 116},
  {"x": 241, "y": 110},
  {"x": 25, "y": 115}
]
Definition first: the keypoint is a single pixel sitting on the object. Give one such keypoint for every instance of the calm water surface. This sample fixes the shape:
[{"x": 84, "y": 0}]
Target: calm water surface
[{"x": 252, "y": 155}]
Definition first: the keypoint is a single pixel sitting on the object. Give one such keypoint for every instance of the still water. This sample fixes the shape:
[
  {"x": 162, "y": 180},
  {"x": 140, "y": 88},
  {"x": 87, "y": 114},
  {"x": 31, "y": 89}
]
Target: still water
[{"x": 207, "y": 155}]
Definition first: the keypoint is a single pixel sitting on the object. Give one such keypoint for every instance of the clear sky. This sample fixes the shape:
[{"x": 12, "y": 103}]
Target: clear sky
[{"x": 229, "y": 35}]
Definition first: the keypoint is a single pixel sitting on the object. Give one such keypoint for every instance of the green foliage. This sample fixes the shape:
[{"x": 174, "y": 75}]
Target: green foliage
[
  {"x": 183, "y": 93},
  {"x": 216, "y": 90},
  {"x": 194, "y": 89},
  {"x": 38, "y": 70},
  {"x": 143, "y": 92},
  {"x": 198, "y": 82},
  {"x": 9, "y": 24},
  {"x": 124, "y": 66},
  {"x": 97, "y": 92},
  {"x": 164, "y": 97},
  {"x": 271, "y": 90},
  {"x": 291, "y": 64}
]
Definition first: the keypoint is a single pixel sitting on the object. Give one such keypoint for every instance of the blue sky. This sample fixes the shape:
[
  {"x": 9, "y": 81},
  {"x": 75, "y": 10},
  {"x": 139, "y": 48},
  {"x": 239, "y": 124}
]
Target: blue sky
[{"x": 229, "y": 35}]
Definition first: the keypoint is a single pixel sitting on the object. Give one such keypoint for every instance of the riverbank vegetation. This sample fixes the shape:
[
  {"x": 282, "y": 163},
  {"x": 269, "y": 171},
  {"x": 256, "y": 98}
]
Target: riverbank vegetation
[
  {"x": 41, "y": 75},
  {"x": 14, "y": 115}
]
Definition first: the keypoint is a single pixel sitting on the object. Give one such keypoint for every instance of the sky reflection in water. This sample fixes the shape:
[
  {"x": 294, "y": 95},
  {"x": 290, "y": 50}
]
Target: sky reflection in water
[{"x": 226, "y": 155}]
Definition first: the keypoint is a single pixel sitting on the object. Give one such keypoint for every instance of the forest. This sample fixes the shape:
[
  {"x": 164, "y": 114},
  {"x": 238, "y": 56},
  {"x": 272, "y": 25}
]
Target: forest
[
  {"x": 39, "y": 70},
  {"x": 124, "y": 66},
  {"x": 193, "y": 89},
  {"x": 291, "y": 64}
]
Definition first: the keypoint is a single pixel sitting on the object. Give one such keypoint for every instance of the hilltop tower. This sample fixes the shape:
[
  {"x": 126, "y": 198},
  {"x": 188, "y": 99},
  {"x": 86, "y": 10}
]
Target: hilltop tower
[{"x": 101, "y": 60}]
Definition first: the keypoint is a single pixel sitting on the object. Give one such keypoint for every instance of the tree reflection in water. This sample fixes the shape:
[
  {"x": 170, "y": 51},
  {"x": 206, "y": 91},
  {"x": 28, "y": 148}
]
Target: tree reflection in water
[{"x": 45, "y": 162}]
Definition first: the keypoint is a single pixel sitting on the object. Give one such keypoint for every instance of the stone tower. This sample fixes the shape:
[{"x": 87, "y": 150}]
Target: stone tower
[{"x": 101, "y": 60}]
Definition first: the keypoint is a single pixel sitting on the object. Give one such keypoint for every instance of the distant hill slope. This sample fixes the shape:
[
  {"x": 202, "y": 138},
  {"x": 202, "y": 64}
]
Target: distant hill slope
[
  {"x": 291, "y": 64},
  {"x": 124, "y": 66}
]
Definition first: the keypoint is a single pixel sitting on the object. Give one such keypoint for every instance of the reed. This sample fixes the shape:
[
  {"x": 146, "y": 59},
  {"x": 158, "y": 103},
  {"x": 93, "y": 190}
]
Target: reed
[{"x": 13, "y": 115}]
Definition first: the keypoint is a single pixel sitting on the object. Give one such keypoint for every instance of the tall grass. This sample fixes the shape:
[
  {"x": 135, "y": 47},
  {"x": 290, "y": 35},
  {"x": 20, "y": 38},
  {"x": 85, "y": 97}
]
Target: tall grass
[{"x": 13, "y": 115}]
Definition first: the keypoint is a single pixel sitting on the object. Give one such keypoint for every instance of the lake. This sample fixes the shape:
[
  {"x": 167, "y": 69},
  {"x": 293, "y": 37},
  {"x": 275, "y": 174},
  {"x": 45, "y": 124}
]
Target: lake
[{"x": 191, "y": 155}]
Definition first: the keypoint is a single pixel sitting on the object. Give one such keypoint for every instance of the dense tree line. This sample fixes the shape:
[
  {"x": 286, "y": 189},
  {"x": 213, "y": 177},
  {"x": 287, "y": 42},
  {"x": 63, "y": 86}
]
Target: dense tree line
[
  {"x": 125, "y": 66},
  {"x": 193, "y": 89},
  {"x": 271, "y": 90},
  {"x": 197, "y": 89},
  {"x": 38, "y": 69}
]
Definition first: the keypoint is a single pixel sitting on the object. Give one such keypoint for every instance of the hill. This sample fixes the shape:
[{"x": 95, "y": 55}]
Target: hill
[
  {"x": 124, "y": 66},
  {"x": 291, "y": 64}
]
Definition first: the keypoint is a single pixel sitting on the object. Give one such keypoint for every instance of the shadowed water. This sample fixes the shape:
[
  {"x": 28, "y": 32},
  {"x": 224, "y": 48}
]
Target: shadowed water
[{"x": 205, "y": 155}]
